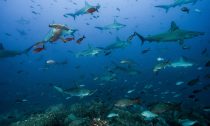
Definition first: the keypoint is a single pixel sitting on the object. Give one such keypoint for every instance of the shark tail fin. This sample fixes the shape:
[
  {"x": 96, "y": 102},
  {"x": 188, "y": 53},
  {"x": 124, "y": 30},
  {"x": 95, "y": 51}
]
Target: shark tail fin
[
  {"x": 100, "y": 28},
  {"x": 165, "y": 7},
  {"x": 140, "y": 37}
]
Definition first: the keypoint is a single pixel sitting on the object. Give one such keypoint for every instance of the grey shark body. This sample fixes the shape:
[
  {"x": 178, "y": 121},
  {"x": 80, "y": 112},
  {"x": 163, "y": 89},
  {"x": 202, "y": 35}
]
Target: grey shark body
[
  {"x": 181, "y": 62},
  {"x": 11, "y": 53},
  {"x": 126, "y": 69},
  {"x": 75, "y": 91},
  {"x": 174, "y": 34},
  {"x": 115, "y": 25},
  {"x": 118, "y": 44},
  {"x": 176, "y": 3},
  {"x": 107, "y": 77},
  {"x": 91, "y": 51},
  {"x": 82, "y": 11}
]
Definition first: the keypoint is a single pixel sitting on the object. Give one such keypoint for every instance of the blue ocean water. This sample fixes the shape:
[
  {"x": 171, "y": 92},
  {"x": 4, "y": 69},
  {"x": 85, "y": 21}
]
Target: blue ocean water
[{"x": 27, "y": 81}]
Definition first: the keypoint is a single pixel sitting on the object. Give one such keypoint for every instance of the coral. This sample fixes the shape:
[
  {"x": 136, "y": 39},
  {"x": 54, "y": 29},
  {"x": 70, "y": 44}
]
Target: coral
[
  {"x": 99, "y": 122},
  {"x": 95, "y": 114},
  {"x": 54, "y": 116}
]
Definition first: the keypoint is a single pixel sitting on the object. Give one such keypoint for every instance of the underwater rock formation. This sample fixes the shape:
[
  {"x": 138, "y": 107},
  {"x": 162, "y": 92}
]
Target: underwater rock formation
[
  {"x": 52, "y": 117},
  {"x": 95, "y": 114}
]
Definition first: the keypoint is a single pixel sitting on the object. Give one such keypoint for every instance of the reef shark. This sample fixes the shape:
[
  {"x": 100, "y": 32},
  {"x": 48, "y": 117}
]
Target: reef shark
[
  {"x": 174, "y": 34},
  {"x": 125, "y": 69},
  {"x": 107, "y": 77},
  {"x": 160, "y": 66},
  {"x": 11, "y": 53},
  {"x": 75, "y": 91},
  {"x": 176, "y": 3},
  {"x": 91, "y": 51},
  {"x": 115, "y": 25},
  {"x": 83, "y": 10},
  {"x": 182, "y": 62}
]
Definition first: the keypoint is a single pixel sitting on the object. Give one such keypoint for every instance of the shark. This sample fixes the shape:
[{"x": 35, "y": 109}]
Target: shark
[
  {"x": 181, "y": 62},
  {"x": 118, "y": 44},
  {"x": 91, "y": 51},
  {"x": 75, "y": 91},
  {"x": 107, "y": 77},
  {"x": 85, "y": 10},
  {"x": 174, "y": 34},
  {"x": 176, "y": 3},
  {"x": 130, "y": 70},
  {"x": 58, "y": 31},
  {"x": 11, "y": 53},
  {"x": 115, "y": 25},
  {"x": 160, "y": 66}
]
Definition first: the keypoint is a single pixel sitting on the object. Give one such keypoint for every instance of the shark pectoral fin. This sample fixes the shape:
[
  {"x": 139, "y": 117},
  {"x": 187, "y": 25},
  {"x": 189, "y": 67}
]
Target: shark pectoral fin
[
  {"x": 117, "y": 29},
  {"x": 27, "y": 50},
  {"x": 194, "y": 2},
  {"x": 1, "y": 46},
  {"x": 59, "y": 89},
  {"x": 157, "y": 72},
  {"x": 115, "y": 21},
  {"x": 117, "y": 39},
  {"x": 181, "y": 42},
  {"x": 140, "y": 37},
  {"x": 100, "y": 28},
  {"x": 93, "y": 92},
  {"x": 70, "y": 14},
  {"x": 67, "y": 98},
  {"x": 63, "y": 39},
  {"x": 87, "y": 4},
  {"x": 166, "y": 7},
  {"x": 90, "y": 47}
]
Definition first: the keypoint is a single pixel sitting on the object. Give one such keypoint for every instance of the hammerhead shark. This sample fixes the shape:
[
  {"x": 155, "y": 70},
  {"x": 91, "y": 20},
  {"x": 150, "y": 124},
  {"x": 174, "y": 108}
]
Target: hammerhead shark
[
  {"x": 58, "y": 31},
  {"x": 174, "y": 34},
  {"x": 85, "y": 10},
  {"x": 114, "y": 25},
  {"x": 176, "y": 3},
  {"x": 11, "y": 53}
]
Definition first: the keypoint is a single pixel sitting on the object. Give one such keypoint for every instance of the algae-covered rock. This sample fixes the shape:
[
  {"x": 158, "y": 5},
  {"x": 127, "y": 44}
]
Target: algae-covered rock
[{"x": 54, "y": 116}]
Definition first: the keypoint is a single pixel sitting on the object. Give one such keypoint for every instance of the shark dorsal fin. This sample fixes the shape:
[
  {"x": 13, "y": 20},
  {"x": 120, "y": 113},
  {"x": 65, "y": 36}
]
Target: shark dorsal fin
[
  {"x": 183, "y": 59},
  {"x": 87, "y": 4},
  {"x": 1, "y": 46},
  {"x": 118, "y": 39},
  {"x": 89, "y": 46},
  {"x": 173, "y": 27},
  {"x": 115, "y": 21}
]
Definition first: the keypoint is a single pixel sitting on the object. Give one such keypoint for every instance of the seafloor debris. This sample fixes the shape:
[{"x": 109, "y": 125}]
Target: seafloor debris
[
  {"x": 54, "y": 116},
  {"x": 99, "y": 122},
  {"x": 95, "y": 114}
]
